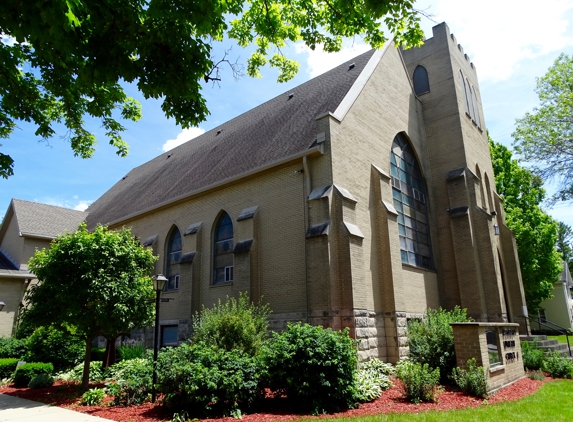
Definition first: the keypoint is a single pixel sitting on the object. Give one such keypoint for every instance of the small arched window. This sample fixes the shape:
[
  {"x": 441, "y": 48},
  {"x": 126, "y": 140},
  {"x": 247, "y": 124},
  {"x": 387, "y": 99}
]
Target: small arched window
[
  {"x": 410, "y": 201},
  {"x": 421, "y": 81},
  {"x": 464, "y": 93},
  {"x": 481, "y": 200},
  {"x": 471, "y": 100},
  {"x": 223, "y": 250},
  {"x": 476, "y": 109},
  {"x": 172, "y": 259}
]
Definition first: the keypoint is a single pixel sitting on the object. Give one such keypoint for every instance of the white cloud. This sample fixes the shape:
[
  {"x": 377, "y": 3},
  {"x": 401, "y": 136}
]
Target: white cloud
[
  {"x": 184, "y": 136},
  {"x": 498, "y": 35},
  {"x": 319, "y": 62},
  {"x": 76, "y": 204},
  {"x": 82, "y": 205}
]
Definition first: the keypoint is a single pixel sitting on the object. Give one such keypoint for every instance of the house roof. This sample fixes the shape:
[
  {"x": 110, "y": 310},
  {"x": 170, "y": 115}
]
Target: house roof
[
  {"x": 45, "y": 221},
  {"x": 275, "y": 130}
]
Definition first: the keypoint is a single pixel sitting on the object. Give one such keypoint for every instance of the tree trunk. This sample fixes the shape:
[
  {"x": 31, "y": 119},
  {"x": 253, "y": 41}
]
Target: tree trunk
[
  {"x": 109, "y": 356},
  {"x": 87, "y": 361}
]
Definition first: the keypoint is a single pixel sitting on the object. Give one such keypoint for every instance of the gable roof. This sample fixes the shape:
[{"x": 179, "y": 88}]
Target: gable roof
[
  {"x": 275, "y": 130},
  {"x": 45, "y": 221}
]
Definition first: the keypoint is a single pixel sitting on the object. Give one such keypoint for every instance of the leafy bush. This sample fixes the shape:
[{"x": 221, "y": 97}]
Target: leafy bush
[
  {"x": 129, "y": 351},
  {"x": 133, "y": 381},
  {"x": 93, "y": 397},
  {"x": 536, "y": 375},
  {"x": 372, "y": 378},
  {"x": 316, "y": 367},
  {"x": 41, "y": 381},
  {"x": 11, "y": 347},
  {"x": 419, "y": 381},
  {"x": 195, "y": 377},
  {"x": 97, "y": 373},
  {"x": 471, "y": 381},
  {"x": 59, "y": 347},
  {"x": 7, "y": 367},
  {"x": 235, "y": 324},
  {"x": 532, "y": 356},
  {"x": 26, "y": 372},
  {"x": 557, "y": 365},
  {"x": 431, "y": 340},
  {"x": 97, "y": 354}
]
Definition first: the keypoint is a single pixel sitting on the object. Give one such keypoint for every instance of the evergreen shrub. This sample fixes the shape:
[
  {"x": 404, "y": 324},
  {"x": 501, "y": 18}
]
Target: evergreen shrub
[
  {"x": 7, "y": 367},
  {"x": 419, "y": 381},
  {"x": 25, "y": 373},
  {"x": 57, "y": 346},
  {"x": 41, "y": 381},
  {"x": 11, "y": 347}
]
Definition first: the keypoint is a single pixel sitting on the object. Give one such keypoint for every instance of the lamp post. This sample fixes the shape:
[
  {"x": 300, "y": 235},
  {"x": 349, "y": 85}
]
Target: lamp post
[{"x": 158, "y": 285}]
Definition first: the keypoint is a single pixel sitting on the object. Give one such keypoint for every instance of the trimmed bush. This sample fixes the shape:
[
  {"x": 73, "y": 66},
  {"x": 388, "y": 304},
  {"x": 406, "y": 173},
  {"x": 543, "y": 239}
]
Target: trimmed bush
[
  {"x": 557, "y": 365},
  {"x": 235, "y": 324},
  {"x": 7, "y": 367},
  {"x": 316, "y": 367},
  {"x": 41, "y": 381},
  {"x": 197, "y": 377},
  {"x": 11, "y": 347},
  {"x": 59, "y": 347},
  {"x": 26, "y": 372},
  {"x": 419, "y": 381},
  {"x": 471, "y": 381},
  {"x": 431, "y": 340},
  {"x": 532, "y": 356}
]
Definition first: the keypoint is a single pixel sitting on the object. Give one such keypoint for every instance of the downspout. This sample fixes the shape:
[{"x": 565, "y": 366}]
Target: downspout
[{"x": 306, "y": 193}]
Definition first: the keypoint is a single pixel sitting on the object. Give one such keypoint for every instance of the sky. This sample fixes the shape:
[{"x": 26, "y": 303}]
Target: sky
[{"x": 510, "y": 42}]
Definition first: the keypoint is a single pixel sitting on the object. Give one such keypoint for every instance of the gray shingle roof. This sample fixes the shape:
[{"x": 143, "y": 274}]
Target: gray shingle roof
[
  {"x": 45, "y": 220},
  {"x": 272, "y": 131}
]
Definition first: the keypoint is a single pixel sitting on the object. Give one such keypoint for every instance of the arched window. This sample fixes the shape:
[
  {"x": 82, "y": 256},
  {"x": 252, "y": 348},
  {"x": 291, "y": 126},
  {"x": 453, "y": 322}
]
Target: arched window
[
  {"x": 223, "y": 250},
  {"x": 172, "y": 259},
  {"x": 421, "y": 81},
  {"x": 488, "y": 189},
  {"x": 471, "y": 100},
  {"x": 411, "y": 204},
  {"x": 464, "y": 93},
  {"x": 481, "y": 200},
  {"x": 476, "y": 109}
]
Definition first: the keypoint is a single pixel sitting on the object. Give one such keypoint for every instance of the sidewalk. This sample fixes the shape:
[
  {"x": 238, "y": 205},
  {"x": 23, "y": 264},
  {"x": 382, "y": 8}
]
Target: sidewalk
[{"x": 15, "y": 409}]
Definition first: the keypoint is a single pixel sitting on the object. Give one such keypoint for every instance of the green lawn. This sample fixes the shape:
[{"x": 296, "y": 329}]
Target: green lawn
[
  {"x": 553, "y": 402},
  {"x": 561, "y": 339}
]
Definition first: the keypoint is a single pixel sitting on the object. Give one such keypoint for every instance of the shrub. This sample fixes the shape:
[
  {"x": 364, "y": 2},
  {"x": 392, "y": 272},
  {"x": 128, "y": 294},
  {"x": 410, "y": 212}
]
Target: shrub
[
  {"x": 7, "y": 367},
  {"x": 372, "y": 378},
  {"x": 195, "y": 377},
  {"x": 431, "y": 340},
  {"x": 532, "y": 356},
  {"x": 557, "y": 365},
  {"x": 25, "y": 373},
  {"x": 97, "y": 373},
  {"x": 41, "y": 381},
  {"x": 471, "y": 381},
  {"x": 419, "y": 381},
  {"x": 536, "y": 375},
  {"x": 93, "y": 397},
  {"x": 59, "y": 347},
  {"x": 129, "y": 351},
  {"x": 11, "y": 347},
  {"x": 235, "y": 324},
  {"x": 315, "y": 366},
  {"x": 133, "y": 381}
]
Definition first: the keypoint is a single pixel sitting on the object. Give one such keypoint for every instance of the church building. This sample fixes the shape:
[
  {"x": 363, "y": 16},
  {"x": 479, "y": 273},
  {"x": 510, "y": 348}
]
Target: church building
[{"x": 358, "y": 199}]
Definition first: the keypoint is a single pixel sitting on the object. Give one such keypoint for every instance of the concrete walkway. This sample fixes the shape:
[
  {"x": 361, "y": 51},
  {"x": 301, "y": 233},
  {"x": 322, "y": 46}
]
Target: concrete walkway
[{"x": 15, "y": 409}]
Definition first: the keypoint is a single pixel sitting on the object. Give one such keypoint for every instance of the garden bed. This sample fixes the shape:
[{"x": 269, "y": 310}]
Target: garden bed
[{"x": 69, "y": 396}]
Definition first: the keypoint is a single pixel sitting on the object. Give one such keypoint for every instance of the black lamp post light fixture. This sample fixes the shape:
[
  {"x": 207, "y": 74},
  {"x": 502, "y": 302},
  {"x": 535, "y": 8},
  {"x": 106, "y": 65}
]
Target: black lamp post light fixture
[
  {"x": 2, "y": 304},
  {"x": 158, "y": 285}
]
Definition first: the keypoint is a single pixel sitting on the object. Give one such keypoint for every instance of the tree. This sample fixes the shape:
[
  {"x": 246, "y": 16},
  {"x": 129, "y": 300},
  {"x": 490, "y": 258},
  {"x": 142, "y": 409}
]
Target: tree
[
  {"x": 62, "y": 61},
  {"x": 565, "y": 244},
  {"x": 545, "y": 136},
  {"x": 535, "y": 231},
  {"x": 97, "y": 282}
]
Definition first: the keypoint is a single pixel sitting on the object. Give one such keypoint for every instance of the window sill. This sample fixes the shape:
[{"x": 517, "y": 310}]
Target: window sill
[
  {"x": 497, "y": 368},
  {"x": 230, "y": 283}
]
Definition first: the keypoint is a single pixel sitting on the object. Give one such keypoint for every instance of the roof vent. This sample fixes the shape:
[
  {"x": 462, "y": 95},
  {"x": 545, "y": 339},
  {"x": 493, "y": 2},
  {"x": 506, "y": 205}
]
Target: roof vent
[
  {"x": 290, "y": 95},
  {"x": 169, "y": 155},
  {"x": 124, "y": 177},
  {"x": 351, "y": 66},
  {"x": 219, "y": 131}
]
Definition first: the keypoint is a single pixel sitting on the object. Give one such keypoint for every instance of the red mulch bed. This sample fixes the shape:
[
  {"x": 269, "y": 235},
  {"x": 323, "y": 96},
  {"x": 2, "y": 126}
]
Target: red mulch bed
[{"x": 69, "y": 396}]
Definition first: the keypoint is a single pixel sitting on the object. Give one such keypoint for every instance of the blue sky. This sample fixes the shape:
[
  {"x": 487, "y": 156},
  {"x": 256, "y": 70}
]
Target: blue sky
[{"x": 510, "y": 42}]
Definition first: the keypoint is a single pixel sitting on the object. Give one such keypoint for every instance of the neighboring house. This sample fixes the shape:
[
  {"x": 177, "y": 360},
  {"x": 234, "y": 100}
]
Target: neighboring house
[
  {"x": 559, "y": 309},
  {"x": 358, "y": 199},
  {"x": 27, "y": 227}
]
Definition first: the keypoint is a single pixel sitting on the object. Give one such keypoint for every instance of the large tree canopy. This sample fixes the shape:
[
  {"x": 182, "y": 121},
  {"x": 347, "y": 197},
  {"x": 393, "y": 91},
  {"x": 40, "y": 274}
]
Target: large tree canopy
[
  {"x": 98, "y": 282},
  {"x": 64, "y": 60},
  {"x": 535, "y": 231},
  {"x": 545, "y": 136}
]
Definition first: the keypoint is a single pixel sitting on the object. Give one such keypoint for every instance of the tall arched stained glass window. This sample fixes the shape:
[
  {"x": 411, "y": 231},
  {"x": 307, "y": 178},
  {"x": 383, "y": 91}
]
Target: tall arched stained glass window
[
  {"x": 421, "y": 81},
  {"x": 411, "y": 204},
  {"x": 173, "y": 257},
  {"x": 223, "y": 250}
]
